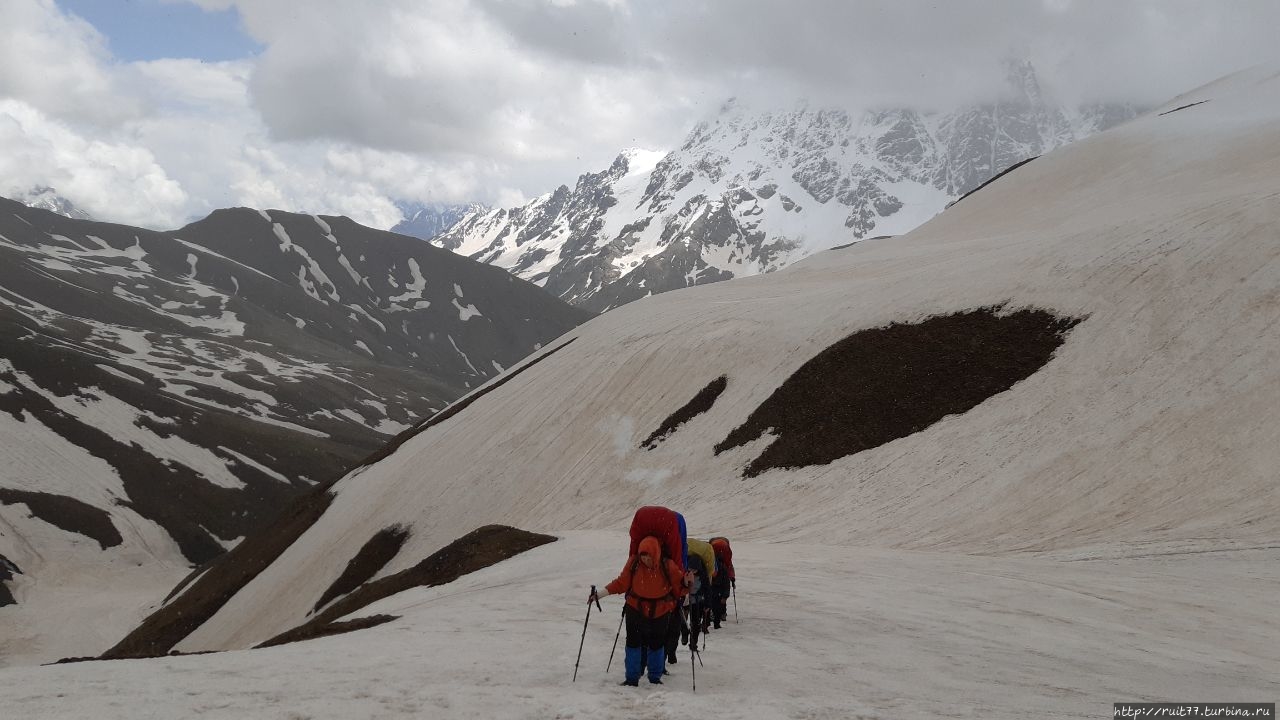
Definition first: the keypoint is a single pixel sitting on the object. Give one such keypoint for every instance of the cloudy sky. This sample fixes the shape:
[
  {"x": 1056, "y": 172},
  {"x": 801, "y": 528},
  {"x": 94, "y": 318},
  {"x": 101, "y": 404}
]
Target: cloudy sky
[{"x": 154, "y": 112}]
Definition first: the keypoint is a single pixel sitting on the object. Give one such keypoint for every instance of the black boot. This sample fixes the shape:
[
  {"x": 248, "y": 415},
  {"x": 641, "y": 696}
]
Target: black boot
[{"x": 630, "y": 683}]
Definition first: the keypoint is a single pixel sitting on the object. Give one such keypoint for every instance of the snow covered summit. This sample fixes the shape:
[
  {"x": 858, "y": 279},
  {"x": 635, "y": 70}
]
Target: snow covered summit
[{"x": 751, "y": 191}]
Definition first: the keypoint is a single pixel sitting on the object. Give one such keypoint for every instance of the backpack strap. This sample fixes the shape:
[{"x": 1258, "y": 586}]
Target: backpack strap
[{"x": 651, "y": 603}]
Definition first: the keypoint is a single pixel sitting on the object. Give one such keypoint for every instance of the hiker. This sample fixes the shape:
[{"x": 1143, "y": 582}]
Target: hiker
[
  {"x": 668, "y": 527},
  {"x": 678, "y": 627},
  {"x": 654, "y": 585},
  {"x": 702, "y": 562},
  {"x": 723, "y": 582}
]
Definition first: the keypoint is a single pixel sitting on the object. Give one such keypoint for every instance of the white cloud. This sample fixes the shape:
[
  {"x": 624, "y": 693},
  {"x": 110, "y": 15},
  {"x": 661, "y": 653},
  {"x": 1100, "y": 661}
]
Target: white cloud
[
  {"x": 58, "y": 64},
  {"x": 352, "y": 103},
  {"x": 106, "y": 179}
]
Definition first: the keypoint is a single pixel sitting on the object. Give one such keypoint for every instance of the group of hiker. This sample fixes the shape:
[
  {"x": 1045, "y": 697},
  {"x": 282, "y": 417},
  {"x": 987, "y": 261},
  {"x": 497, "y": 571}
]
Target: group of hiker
[{"x": 677, "y": 588}]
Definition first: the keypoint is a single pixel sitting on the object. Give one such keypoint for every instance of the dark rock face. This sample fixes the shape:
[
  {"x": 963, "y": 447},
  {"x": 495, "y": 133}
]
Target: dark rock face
[
  {"x": 66, "y": 513},
  {"x": 881, "y": 384},
  {"x": 750, "y": 192},
  {"x": 213, "y": 373},
  {"x": 700, "y": 403},
  {"x": 373, "y": 556},
  {"x": 7, "y": 571},
  {"x": 474, "y": 551}
]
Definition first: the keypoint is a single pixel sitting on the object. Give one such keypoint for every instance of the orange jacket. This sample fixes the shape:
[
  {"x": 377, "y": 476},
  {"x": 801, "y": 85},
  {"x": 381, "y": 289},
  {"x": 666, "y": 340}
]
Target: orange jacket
[{"x": 651, "y": 590}]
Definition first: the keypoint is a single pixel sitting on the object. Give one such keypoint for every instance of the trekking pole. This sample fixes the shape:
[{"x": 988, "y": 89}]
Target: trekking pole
[
  {"x": 735, "y": 602},
  {"x": 693, "y": 669},
  {"x": 595, "y": 598},
  {"x": 615, "y": 639}
]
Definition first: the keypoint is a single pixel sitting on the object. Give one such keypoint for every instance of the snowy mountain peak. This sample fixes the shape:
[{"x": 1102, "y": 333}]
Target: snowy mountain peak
[
  {"x": 46, "y": 198},
  {"x": 639, "y": 160},
  {"x": 750, "y": 191}
]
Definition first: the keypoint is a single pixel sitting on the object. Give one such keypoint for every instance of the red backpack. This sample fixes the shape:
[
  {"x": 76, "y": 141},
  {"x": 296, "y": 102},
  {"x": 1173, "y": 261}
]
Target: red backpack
[{"x": 661, "y": 523}]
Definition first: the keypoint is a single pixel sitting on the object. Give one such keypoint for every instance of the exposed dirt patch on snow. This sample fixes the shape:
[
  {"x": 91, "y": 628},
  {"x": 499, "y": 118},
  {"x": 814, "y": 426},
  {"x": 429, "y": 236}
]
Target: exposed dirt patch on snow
[
  {"x": 882, "y": 384},
  {"x": 474, "y": 551},
  {"x": 7, "y": 571},
  {"x": 167, "y": 626},
  {"x": 374, "y": 556},
  {"x": 700, "y": 403},
  {"x": 335, "y": 628},
  {"x": 66, "y": 513}
]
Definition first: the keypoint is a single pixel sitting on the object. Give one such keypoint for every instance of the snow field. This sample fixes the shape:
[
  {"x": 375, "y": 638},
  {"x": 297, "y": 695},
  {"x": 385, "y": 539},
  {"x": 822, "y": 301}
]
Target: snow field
[{"x": 825, "y": 632}]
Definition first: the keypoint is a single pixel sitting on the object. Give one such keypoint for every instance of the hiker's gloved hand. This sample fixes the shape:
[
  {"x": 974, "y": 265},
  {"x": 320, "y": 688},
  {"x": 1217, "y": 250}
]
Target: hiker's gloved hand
[{"x": 598, "y": 594}]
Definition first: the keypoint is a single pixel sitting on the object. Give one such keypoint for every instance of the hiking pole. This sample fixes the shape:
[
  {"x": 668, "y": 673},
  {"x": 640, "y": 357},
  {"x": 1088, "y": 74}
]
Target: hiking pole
[
  {"x": 693, "y": 669},
  {"x": 596, "y": 599},
  {"x": 735, "y": 602},
  {"x": 615, "y": 639}
]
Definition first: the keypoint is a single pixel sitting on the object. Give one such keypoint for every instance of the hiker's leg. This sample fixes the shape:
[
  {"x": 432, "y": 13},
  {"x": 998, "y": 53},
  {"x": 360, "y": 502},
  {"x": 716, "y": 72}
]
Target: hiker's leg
[
  {"x": 635, "y": 642},
  {"x": 657, "y": 651},
  {"x": 673, "y": 634}
]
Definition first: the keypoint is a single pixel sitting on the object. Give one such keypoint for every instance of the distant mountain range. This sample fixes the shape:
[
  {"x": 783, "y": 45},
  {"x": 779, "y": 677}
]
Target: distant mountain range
[
  {"x": 750, "y": 192},
  {"x": 427, "y": 221},
  {"x": 162, "y": 394}
]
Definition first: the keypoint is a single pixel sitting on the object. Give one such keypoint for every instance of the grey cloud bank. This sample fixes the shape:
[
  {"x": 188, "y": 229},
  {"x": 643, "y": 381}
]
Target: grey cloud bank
[{"x": 352, "y": 104}]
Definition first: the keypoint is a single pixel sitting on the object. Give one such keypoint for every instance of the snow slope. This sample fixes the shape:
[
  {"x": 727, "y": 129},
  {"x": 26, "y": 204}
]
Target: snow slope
[
  {"x": 1104, "y": 530},
  {"x": 824, "y": 632}
]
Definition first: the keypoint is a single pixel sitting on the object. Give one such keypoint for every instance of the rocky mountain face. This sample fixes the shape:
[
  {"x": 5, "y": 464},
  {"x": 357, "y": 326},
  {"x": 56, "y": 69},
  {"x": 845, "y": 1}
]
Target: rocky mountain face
[
  {"x": 426, "y": 221},
  {"x": 750, "y": 192},
  {"x": 162, "y": 394}
]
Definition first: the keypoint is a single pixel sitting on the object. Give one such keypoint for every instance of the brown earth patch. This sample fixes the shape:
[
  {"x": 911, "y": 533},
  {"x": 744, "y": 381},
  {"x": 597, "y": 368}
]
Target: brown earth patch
[
  {"x": 67, "y": 513},
  {"x": 700, "y": 403},
  {"x": 881, "y": 384},
  {"x": 167, "y": 626},
  {"x": 474, "y": 551},
  {"x": 337, "y": 628},
  {"x": 195, "y": 573},
  {"x": 374, "y": 556},
  {"x": 7, "y": 571}
]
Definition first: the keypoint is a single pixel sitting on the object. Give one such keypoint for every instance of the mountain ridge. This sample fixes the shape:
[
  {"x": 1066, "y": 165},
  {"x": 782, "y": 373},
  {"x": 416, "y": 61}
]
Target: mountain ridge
[
  {"x": 180, "y": 387},
  {"x": 750, "y": 191}
]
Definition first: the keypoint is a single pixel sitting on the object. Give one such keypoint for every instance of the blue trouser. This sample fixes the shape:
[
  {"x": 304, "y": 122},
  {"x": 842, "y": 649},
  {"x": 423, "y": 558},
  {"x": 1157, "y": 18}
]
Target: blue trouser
[
  {"x": 655, "y": 663},
  {"x": 646, "y": 644}
]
